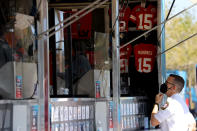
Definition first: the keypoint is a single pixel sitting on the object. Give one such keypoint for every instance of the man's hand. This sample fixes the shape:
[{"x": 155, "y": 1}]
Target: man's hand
[
  {"x": 192, "y": 127},
  {"x": 158, "y": 98},
  {"x": 192, "y": 123}
]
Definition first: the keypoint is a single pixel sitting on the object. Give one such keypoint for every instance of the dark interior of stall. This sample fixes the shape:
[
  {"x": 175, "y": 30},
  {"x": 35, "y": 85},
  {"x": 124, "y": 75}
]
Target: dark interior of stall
[
  {"x": 18, "y": 49},
  {"x": 87, "y": 48}
]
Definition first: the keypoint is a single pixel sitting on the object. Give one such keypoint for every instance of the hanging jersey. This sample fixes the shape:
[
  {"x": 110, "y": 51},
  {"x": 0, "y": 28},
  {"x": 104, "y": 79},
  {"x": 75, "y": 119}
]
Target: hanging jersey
[
  {"x": 144, "y": 57},
  {"x": 81, "y": 29},
  {"x": 144, "y": 18},
  {"x": 124, "y": 14},
  {"x": 125, "y": 53}
]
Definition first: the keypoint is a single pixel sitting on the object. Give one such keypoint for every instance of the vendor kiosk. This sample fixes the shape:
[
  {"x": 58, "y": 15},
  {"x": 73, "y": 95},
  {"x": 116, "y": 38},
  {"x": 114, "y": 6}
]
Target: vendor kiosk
[
  {"x": 86, "y": 73},
  {"x": 119, "y": 81}
]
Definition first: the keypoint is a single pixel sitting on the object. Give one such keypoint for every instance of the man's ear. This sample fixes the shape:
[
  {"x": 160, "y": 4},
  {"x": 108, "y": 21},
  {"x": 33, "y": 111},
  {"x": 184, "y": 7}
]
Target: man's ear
[{"x": 174, "y": 88}]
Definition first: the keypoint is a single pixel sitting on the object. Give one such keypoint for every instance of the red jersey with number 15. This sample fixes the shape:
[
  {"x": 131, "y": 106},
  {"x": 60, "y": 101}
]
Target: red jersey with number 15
[
  {"x": 144, "y": 18},
  {"x": 145, "y": 55}
]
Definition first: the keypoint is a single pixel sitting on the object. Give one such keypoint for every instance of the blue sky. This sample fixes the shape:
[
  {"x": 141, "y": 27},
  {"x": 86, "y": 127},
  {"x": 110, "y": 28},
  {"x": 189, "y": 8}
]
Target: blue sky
[{"x": 179, "y": 5}]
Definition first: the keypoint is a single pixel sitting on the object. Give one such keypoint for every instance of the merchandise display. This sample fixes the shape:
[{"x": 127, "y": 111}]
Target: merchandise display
[
  {"x": 144, "y": 18},
  {"x": 145, "y": 55}
]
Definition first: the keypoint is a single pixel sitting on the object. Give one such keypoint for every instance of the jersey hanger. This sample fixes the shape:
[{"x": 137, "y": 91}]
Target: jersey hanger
[{"x": 143, "y": 3}]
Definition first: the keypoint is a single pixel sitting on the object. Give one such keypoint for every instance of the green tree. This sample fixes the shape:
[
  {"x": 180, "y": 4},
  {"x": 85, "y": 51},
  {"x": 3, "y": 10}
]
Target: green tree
[{"x": 184, "y": 56}]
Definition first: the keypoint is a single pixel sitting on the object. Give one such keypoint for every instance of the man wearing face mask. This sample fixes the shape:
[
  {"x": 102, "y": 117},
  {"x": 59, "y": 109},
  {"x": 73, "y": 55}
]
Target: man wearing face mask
[{"x": 174, "y": 115}]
